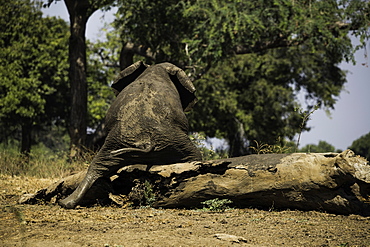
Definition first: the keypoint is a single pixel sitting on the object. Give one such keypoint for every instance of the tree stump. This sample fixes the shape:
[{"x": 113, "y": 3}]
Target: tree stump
[{"x": 331, "y": 182}]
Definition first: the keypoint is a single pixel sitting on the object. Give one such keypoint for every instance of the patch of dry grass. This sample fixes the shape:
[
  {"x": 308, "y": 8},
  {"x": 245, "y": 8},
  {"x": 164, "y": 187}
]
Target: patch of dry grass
[{"x": 41, "y": 163}]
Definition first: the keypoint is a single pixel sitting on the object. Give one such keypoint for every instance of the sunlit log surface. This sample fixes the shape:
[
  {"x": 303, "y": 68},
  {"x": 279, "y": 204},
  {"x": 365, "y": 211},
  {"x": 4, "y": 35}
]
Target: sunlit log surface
[{"x": 331, "y": 182}]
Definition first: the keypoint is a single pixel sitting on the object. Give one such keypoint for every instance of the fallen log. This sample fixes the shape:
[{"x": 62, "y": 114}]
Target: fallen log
[{"x": 331, "y": 182}]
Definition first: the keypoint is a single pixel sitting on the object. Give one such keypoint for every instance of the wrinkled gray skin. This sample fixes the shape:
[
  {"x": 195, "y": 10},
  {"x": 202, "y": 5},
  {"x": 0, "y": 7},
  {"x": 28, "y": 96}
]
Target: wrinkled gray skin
[{"x": 146, "y": 124}]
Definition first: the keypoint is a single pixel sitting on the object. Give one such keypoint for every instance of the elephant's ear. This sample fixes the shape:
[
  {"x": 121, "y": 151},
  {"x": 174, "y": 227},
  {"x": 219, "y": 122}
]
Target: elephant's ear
[
  {"x": 128, "y": 75},
  {"x": 184, "y": 86}
]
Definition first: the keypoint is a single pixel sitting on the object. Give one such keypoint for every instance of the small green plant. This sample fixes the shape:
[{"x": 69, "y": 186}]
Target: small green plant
[
  {"x": 216, "y": 205},
  {"x": 277, "y": 148},
  {"x": 260, "y": 148},
  {"x": 305, "y": 116},
  {"x": 149, "y": 194}
]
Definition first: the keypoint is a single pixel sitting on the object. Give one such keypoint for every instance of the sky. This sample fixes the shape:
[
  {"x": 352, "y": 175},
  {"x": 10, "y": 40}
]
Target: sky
[{"x": 347, "y": 122}]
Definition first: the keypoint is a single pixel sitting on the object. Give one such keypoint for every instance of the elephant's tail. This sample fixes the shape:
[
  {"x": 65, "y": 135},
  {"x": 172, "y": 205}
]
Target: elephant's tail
[{"x": 131, "y": 150}]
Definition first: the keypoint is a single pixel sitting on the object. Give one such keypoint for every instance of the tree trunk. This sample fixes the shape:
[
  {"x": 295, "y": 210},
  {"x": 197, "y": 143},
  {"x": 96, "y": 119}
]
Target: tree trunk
[
  {"x": 237, "y": 140},
  {"x": 336, "y": 183},
  {"x": 79, "y": 12}
]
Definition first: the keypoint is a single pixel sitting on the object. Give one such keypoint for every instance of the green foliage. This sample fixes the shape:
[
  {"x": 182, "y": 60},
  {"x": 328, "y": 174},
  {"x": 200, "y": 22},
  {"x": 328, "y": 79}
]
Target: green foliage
[
  {"x": 103, "y": 60},
  {"x": 156, "y": 24},
  {"x": 221, "y": 25},
  {"x": 322, "y": 147},
  {"x": 149, "y": 194},
  {"x": 33, "y": 67},
  {"x": 291, "y": 46},
  {"x": 206, "y": 31},
  {"x": 100, "y": 95},
  {"x": 216, "y": 205},
  {"x": 361, "y": 146},
  {"x": 283, "y": 47},
  {"x": 249, "y": 92},
  {"x": 255, "y": 92},
  {"x": 34, "y": 70},
  {"x": 200, "y": 140}
]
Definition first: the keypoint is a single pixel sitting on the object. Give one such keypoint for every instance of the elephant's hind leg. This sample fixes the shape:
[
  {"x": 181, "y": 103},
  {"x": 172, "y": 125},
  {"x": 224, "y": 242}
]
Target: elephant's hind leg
[
  {"x": 103, "y": 165},
  {"x": 74, "y": 199}
]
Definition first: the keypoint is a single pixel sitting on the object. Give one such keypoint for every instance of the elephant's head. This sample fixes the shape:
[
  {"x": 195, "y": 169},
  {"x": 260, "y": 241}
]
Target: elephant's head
[{"x": 182, "y": 82}]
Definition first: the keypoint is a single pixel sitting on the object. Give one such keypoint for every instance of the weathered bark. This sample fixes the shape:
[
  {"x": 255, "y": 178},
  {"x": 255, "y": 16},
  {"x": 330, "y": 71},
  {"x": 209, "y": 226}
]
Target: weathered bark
[
  {"x": 336, "y": 183},
  {"x": 79, "y": 13}
]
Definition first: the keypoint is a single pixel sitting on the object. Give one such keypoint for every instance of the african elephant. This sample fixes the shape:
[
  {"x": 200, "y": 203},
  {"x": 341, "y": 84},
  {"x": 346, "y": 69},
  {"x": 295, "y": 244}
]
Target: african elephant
[{"x": 146, "y": 123}]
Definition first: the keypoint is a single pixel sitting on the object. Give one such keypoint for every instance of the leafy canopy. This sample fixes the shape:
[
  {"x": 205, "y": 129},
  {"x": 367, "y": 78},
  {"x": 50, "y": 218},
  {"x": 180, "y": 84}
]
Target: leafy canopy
[
  {"x": 101, "y": 72},
  {"x": 33, "y": 66},
  {"x": 205, "y": 31},
  {"x": 289, "y": 47}
]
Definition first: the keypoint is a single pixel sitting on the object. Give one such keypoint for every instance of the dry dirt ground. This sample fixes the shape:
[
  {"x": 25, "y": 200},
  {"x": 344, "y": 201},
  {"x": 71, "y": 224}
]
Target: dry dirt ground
[{"x": 50, "y": 225}]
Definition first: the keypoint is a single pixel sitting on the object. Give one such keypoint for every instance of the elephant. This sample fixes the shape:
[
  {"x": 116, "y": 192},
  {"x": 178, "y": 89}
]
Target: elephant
[{"x": 146, "y": 124}]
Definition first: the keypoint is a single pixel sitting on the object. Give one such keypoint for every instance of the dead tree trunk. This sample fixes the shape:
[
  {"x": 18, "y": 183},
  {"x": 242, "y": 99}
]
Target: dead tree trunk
[{"x": 331, "y": 182}]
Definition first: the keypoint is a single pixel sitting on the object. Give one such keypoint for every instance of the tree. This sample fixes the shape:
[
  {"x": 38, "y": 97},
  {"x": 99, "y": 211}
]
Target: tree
[
  {"x": 33, "y": 66},
  {"x": 322, "y": 147},
  {"x": 103, "y": 57},
  {"x": 286, "y": 46},
  {"x": 251, "y": 103},
  {"x": 192, "y": 32},
  {"x": 361, "y": 146},
  {"x": 103, "y": 60},
  {"x": 79, "y": 13}
]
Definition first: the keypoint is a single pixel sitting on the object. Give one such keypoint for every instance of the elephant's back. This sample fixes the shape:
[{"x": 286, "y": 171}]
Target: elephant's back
[
  {"x": 148, "y": 107},
  {"x": 157, "y": 101}
]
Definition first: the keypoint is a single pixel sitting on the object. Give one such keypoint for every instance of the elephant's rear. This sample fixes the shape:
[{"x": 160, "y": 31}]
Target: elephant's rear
[
  {"x": 148, "y": 115},
  {"x": 146, "y": 124}
]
